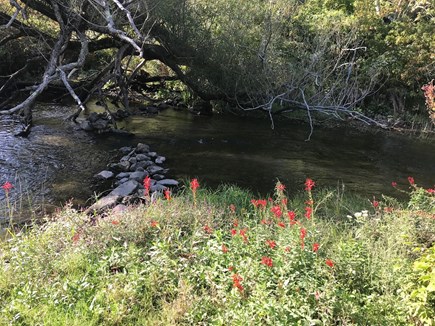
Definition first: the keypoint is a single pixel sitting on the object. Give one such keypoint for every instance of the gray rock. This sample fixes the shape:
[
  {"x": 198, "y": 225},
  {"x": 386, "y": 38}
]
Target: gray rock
[
  {"x": 120, "y": 167},
  {"x": 142, "y": 157},
  {"x": 142, "y": 148},
  {"x": 123, "y": 175},
  {"x": 103, "y": 203},
  {"x": 104, "y": 175},
  {"x": 133, "y": 160},
  {"x": 125, "y": 150},
  {"x": 168, "y": 182},
  {"x": 101, "y": 124},
  {"x": 154, "y": 169},
  {"x": 160, "y": 159},
  {"x": 120, "y": 182},
  {"x": 125, "y": 189},
  {"x": 158, "y": 177},
  {"x": 138, "y": 176},
  {"x": 86, "y": 125},
  {"x": 152, "y": 154}
]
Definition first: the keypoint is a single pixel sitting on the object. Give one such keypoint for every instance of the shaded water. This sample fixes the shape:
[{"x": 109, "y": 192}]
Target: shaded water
[{"x": 57, "y": 161}]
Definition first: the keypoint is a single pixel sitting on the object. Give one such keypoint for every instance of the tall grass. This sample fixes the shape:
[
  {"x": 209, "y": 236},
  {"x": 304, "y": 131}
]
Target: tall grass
[{"x": 222, "y": 261}]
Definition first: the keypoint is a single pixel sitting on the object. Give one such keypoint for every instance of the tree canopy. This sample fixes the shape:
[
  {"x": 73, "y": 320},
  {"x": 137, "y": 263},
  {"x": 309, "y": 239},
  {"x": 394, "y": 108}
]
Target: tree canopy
[{"x": 341, "y": 58}]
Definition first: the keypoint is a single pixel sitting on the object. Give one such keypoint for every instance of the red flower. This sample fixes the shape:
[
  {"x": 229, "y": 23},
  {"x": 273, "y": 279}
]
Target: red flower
[
  {"x": 431, "y": 191},
  {"x": 167, "y": 194},
  {"x": 394, "y": 184},
  {"x": 281, "y": 225},
  {"x": 259, "y": 203},
  {"x": 329, "y": 262},
  {"x": 267, "y": 261},
  {"x": 411, "y": 181},
  {"x": 302, "y": 244},
  {"x": 147, "y": 185},
  {"x": 280, "y": 187},
  {"x": 235, "y": 223},
  {"x": 276, "y": 210},
  {"x": 284, "y": 201},
  {"x": 303, "y": 233},
  {"x": 271, "y": 243},
  {"x": 115, "y": 222},
  {"x": 7, "y": 186},
  {"x": 309, "y": 184},
  {"x": 233, "y": 232},
  {"x": 236, "y": 282},
  {"x": 230, "y": 268},
  {"x": 315, "y": 247},
  {"x": 194, "y": 184},
  {"x": 375, "y": 204},
  {"x": 243, "y": 234},
  {"x": 154, "y": 224},
  {"x": 265, "y": 222},
  {"x": 207, "y": 229},
  {"x": 224, "y": 249},
  {"x": 308, "y": 212},
  {"x": 232, "y": 208},
  {"x": 287, "y": 249}
]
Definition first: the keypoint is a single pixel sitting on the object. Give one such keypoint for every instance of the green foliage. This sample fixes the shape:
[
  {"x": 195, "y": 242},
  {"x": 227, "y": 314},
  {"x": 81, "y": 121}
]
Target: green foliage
[
  {"x": 221, "y": 259},
  {"x": 421, "y": 289}
]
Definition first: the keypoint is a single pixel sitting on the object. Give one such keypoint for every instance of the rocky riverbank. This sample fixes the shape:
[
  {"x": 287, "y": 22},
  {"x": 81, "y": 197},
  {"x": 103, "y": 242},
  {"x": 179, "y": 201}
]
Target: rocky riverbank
[{"x": 126, "y": 177}]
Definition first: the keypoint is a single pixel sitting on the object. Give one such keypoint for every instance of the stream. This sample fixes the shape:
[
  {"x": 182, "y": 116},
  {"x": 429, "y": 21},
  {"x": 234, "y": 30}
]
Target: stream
[{"x": 57, "y": 161}]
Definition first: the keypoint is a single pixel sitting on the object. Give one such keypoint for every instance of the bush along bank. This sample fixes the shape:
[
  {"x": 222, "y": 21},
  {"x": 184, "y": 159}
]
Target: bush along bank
[
  {"x": 226, "y": 257},
  {"x": 138, "y": 176}
]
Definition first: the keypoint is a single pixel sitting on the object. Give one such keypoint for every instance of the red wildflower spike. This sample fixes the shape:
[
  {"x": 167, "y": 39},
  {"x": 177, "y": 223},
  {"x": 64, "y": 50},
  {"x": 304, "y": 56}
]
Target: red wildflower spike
[
  {"x": 233, "y": 232},
  {"x": 236, "y": 223},
  {"x": 236, "y": 282},
  {"x": 280, "y": 187},
  {"x": 267, "y": 261},
  {"x": 7, "y": 186},
  {"x": 154, "y": 224},
  {"x": 281, "y": 225},
  {"x": 309, "y": 184},
  {"x": 147, "y": 185},
  {"x": 316, "y": 247},
  {"x": 287, "y": 249},
  {"x": 411, "y": 181},
  {"x": 303, "y": 233},
  {"x": 224, "y": 249},
  {"x": 115, "y": 222},
  {"x": 329, "y": 262},
  {"x": 276, "y": 210},
  {"x": 194, "y": 184},
  {"x": 271, "y": 243},
  {"x": 430, "y": 191},
  {"x": 167, "y": 194},
  {"x": 394, "y": 184},
  {"x": 375, "y": 204},
  {"x": 308, "y": 212},
  {"x": 230, "y": 268}
]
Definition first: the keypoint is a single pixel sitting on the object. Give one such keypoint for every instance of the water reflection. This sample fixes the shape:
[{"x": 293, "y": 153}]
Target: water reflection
[{"x": 57, "y": 161}]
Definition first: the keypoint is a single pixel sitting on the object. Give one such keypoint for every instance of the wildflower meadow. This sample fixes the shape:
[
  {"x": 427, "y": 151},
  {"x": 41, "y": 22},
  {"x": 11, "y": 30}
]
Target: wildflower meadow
[{"x": 227, "y": 257}]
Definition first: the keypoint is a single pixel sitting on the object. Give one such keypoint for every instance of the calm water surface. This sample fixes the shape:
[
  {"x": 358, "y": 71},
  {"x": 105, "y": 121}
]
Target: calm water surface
[{"x": 57, "y": 161}]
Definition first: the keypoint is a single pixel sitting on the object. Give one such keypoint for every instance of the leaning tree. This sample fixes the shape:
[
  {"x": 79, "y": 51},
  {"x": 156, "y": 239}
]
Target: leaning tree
[{"x": 250, "y": 54}]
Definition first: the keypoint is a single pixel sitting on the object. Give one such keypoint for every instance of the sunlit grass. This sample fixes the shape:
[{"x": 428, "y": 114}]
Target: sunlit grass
[{"x": 222, "y": 260}]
